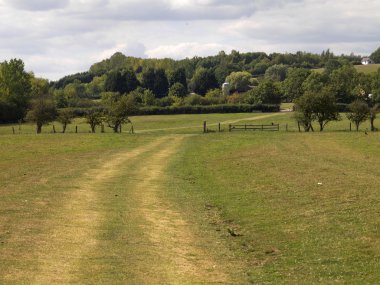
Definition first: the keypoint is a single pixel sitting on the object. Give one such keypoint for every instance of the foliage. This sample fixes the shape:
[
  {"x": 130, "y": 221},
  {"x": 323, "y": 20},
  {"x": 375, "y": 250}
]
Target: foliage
[
  {"x": 292, "y": 86},
  {"x": 43, "y": 109},
  {"x": 122, "y": 81},
  {"x": 15, "y": 90},
  {"x": 343, "y": 81},
  {"x": 239, "y": 81},
  {"x": 202, "y": 109},
  {"x": 178, "y": 76},
  {"x": 216, "y": 96},
  {"x": 118, "y": 111},
  {"x": 177, "y": 90},
  {"x": 359, "y": 112},
  {"x": 94, "y": 118},
  {"x": 318, "y": 106},
  {"x": 267, "y": 92},
  {"x": 203, "y": 80},
  {"x": 65, "y": 117},
  {"x": 375, "y": 56},
  {"x": 276, "y": 72}
]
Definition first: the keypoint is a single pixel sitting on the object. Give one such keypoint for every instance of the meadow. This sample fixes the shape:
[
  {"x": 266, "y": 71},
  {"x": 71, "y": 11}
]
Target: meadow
[{"x": 171, "y": 205}]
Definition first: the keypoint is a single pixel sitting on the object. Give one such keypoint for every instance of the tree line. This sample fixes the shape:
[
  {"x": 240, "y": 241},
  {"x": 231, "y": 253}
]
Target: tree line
[{"x": 254, "y": 78}]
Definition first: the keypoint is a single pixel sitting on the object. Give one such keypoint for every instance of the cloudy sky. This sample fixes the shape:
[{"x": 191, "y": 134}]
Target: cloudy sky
[{"x": 60, "y": 37}]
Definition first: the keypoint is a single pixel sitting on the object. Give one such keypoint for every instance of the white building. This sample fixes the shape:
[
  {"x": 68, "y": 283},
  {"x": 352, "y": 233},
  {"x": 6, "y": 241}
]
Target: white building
[{"x": 367, "y": 60}]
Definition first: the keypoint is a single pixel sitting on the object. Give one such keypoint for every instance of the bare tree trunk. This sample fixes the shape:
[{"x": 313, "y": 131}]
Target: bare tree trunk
[
  {"x": 64, "y": 128},
  {"x": 39, "y": 128},
  {"x": 373, "y": 124}
]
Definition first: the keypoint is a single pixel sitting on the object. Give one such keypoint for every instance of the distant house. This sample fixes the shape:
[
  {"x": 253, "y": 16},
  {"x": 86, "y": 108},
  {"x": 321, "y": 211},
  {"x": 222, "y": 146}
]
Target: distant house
[{"x": 367, "y": 60}]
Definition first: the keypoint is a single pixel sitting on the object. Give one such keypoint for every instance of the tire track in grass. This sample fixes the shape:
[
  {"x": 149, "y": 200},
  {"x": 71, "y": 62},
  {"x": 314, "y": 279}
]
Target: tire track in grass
[
  {"x": 71, "y": 232},
  {"x": 172, "y": 237}
]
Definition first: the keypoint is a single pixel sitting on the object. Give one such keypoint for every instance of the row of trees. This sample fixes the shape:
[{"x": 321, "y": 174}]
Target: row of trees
[{"x": 122, "y": 74}]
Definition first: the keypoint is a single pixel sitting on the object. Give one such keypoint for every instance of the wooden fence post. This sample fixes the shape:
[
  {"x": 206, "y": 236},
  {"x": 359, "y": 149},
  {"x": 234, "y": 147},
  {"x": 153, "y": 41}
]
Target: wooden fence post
[
  {"x": 350, "y": 126},
  {"x": 229, "y": 127},
  {"x": 102, "y": 128},
  {"x": 76, "y": 129},
  {"x": 54, "y": 129},
  {"x": 219, "y": 127},
  {"x": 13, "y": 130},
  {"x": 204, "y": 127}
]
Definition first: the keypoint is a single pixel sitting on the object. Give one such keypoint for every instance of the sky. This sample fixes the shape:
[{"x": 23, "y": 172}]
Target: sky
[{"x": 55, "y": 38}]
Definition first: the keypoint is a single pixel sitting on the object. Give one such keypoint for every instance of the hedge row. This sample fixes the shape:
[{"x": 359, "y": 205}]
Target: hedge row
[
  {"x": 227, "y": 108},
  {"x": 171, "y": 110}
]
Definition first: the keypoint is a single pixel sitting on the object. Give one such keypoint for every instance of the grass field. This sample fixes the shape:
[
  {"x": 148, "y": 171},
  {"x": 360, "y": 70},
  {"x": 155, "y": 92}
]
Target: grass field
[{"x": 170, "y": 205}]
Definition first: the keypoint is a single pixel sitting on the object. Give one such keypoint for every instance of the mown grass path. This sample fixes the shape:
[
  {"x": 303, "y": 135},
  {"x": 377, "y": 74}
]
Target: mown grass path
[{"x": 116, "y": 227}]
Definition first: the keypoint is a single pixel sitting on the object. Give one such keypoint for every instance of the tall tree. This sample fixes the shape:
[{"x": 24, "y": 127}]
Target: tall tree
[
  {"x": 43, "y": 109},
  {"x": 203, "y": 80},
  {"x": 375, "y": 56},
  {"x": 239, "y": 81},
  {"x": 358, "y": 112},
  {"x": 118, "y": 111},
  {"x": 161, "y": 84},
  {"x": 292, "y": 86},
  {"x": 15, "y": 89},
  {"x": 178, "y": 76}
]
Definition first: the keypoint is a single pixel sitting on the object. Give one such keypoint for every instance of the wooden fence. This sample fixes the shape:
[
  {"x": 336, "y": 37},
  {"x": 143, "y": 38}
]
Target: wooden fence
[{"x": 272, "y": 127}]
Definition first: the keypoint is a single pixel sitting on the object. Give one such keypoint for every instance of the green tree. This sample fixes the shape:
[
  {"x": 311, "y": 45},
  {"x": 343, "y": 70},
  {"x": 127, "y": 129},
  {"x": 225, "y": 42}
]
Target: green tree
[
  {"x": 239, "y": 81},
  {"x": 324, "y": 107},
  {"x": 178, "y": 76},
  {"x": 314, "y": 82},
  {"x": 358, "y": 113},
  {"x": 161, "y": 84},
  {"x": 177, "y": 90},
  {"x": 148, "y": 98},
  {"x": 148, "y": 79},
  {"x": 15, "y": 90},
  {"x": 267, "y": 92},
  {"x": 276, "y": 72},
  {"x": 316, "y": 106},
  {"x": 375, "y": 56},
  {"x": 343, "y": 81},
  {"x": 42, "y": 109},
  {"x": 94, "y": 118},
  {"x": 203, "y": 80},
  {"x": 292, "y": 86},
  {"x": 304, "y": 114},
  {"x": 118, "y": 111},
  {"x": 122, "y": 81},
  {"x": 64, "y": 117}
]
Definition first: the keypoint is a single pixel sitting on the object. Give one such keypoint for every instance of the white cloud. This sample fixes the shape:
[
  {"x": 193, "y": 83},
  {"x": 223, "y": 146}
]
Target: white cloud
[
  {"x": 56, "y": 38},
  {"x": 189, "y": 49}
]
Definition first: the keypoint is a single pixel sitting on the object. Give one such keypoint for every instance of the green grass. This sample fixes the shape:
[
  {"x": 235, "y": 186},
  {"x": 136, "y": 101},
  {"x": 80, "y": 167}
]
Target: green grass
[
  {"x": 266, "y": 187},
  {"x": 304, "y": 206}
]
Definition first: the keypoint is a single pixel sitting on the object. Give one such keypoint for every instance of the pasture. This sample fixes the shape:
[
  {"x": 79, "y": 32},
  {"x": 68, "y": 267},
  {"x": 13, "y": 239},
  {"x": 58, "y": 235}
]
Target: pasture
[{"x": 170, "y": 205}]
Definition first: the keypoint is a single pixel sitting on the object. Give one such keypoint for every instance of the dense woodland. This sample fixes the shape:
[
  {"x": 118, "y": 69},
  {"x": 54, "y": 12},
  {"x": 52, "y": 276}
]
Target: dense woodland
[{"x": 122, "y": 85}]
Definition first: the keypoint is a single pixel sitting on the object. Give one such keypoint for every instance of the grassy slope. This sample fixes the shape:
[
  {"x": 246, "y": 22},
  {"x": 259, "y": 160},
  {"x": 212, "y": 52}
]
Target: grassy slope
[{"x": 265, "y": 187}]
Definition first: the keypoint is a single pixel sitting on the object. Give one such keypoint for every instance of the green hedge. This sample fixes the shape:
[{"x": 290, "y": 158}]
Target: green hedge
[
  {"x": 171, "y": 110},
  {"x": 227, "y": 108}
]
